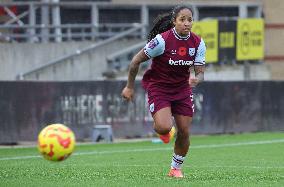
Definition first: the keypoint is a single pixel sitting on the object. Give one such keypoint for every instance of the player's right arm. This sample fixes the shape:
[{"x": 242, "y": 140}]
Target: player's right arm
[
  {"x": 128, "y": 91},
  {"x": 152, "y": 49}
]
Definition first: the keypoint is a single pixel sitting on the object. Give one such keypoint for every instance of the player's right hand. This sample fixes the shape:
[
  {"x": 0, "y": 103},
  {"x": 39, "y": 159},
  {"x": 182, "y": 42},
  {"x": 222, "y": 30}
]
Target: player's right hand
[{"x": 127, "y": 93}]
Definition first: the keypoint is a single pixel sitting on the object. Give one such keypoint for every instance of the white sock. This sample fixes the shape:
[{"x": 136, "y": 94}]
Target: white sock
[{"x": 177, "y": 161}]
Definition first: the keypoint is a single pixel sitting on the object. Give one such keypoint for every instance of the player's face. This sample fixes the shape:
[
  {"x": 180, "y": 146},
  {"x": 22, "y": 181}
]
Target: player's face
[{"x": 183, "y": 22}]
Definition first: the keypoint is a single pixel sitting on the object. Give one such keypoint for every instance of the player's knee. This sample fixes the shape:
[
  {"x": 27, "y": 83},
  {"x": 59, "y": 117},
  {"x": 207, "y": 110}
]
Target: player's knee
[{"x": 162, "y": 128}]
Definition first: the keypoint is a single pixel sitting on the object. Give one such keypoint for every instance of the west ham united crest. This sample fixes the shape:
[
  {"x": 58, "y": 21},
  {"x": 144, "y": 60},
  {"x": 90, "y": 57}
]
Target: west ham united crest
[{"x": 191, "y": 51}]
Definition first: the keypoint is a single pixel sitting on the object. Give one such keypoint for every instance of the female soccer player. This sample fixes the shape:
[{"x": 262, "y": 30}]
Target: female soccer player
[{"x": 173, "y": 49}]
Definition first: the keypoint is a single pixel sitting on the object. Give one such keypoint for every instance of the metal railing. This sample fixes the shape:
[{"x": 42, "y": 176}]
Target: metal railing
[
  {"x": 37, "y": 21},
  {"x": 69, "y": 32},
  {"x": 117, "y": 62},
  {"x": 34, "y": 21},
  {"x": 78, "y": 52}
]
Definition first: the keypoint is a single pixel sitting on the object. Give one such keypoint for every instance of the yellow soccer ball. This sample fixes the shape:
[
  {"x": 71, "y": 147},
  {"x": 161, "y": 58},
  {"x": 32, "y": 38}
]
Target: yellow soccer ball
[{"x": 56, "y": 142}]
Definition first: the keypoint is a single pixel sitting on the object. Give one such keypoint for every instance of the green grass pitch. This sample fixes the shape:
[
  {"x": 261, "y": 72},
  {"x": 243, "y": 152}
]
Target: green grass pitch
[{"x": 255, "y": 159}]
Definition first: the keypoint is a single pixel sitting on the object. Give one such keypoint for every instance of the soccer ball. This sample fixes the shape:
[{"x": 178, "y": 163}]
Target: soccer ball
[{"x": 56, "y": 142}]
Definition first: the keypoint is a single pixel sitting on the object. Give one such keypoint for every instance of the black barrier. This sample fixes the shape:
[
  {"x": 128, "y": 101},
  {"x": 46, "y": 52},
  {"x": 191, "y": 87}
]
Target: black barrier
[
  {"x": 221, "y": 107},
  {"x": 227, "y": 41},
  {"x": 232, "y": 107}
]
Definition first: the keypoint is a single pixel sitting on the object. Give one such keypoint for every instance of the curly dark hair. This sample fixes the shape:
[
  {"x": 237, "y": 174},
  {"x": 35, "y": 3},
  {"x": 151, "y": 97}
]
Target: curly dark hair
[{"x": 164, "y": 22}]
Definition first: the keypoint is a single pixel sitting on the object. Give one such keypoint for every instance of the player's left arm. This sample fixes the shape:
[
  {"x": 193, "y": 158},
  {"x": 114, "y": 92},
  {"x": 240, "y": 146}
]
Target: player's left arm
[
  {"x": 199, "y": 65},
  {"x": 199, "y": 75},
  {"x": 199, "y": 72}
]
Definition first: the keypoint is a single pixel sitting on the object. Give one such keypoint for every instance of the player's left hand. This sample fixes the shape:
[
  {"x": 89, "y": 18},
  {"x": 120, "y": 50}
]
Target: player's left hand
[{"x": 193, "y": 81}]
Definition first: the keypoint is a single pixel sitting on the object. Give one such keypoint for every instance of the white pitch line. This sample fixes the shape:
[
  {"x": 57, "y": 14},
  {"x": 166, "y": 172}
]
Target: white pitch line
[
  {"x": 20, "y": 157},
  {"x": 188, "y": 166},
  {"x": 157, "y": 149},
  {"x": 239, "y": 144}
]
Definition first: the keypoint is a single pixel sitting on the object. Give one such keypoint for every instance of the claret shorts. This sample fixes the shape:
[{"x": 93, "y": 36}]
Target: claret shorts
[{"x": 181, "y": 102}]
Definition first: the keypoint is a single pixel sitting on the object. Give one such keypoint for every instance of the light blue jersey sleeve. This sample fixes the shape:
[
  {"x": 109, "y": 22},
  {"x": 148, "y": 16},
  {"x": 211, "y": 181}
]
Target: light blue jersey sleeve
[
  {"x": 155, "y": 47},
  {"x": 200, "y": 54}
]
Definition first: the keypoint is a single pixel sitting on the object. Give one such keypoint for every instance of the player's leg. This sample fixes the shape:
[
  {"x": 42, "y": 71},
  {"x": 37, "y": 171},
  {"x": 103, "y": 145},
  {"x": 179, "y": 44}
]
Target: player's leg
[
  {"x": 163, "y": 121},
  {"x": 160, "y": 109},
  {"x": 182, "y": 110},
  {"x": 182, "y": 143},
  {"x": 163, "y": 124}
]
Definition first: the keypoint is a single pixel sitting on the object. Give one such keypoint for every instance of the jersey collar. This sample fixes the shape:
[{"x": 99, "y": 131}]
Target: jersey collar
[{"x": 180, "y": 37}]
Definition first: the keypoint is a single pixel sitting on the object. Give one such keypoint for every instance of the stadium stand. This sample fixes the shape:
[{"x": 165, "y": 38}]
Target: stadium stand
[{"x": 56, "y": 32}]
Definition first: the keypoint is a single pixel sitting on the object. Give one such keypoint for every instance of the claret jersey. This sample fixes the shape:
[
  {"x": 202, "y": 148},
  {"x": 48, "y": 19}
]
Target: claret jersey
[{"x": 172, "y": 56}]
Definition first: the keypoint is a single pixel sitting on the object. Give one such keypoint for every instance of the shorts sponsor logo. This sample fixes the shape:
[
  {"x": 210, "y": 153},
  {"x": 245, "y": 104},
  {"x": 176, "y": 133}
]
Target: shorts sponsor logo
[
  {"x": 152, "y": 107},
  {"x": 180, "y": 62}
]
